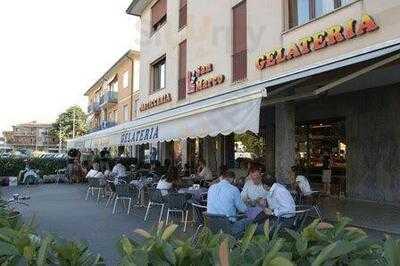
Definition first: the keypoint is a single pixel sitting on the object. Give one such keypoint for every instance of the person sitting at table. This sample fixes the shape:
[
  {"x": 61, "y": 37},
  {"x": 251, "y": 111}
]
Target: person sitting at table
[
  {"x": 224, "y": 199},
  {"x": 119, "y": 170},
  {"x": 204, "y": 172},
  {"x": 280, "y": 202},
  {"x": 254, "y": 190},
  {"x": 95, "y": 173},
  {"x": 302, "y": 183},
  {"x": 165, "y": 184}
]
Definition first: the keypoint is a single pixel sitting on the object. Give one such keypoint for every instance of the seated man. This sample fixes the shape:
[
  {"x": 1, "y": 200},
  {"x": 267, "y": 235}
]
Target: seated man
[
  {"x": 280, "y": 202},
  {"x": 224, "y": 199},
  {"x": 254, "y": 190}
]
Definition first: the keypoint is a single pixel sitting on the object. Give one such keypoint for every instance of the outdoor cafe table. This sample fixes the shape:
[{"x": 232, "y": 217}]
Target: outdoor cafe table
[{"x": 197, "y": 193}]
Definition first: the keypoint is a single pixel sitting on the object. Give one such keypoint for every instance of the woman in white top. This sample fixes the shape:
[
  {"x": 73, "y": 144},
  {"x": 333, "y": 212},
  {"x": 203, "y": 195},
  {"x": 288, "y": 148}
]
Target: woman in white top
[
  {"x": 95, "y": 173},
  {"x": 254, "y": 190},
  {"x": 164, "y": 185}
]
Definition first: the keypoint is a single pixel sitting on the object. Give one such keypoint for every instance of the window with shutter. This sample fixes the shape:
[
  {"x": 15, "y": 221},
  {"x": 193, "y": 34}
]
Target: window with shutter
[
  {"x": 182, "y": 14},
  {"x": 239, "y": 57},
  {"x": 158, "y": 14},
  {"x": 182, "y": 71}
]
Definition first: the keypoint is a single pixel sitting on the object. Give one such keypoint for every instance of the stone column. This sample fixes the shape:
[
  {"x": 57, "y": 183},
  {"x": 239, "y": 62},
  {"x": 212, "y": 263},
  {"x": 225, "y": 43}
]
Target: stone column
[{"x": 285, "y": 141}]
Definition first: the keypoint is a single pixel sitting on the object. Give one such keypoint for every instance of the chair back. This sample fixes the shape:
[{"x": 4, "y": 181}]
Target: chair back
[
  {"x": 125, "y": 190},
  {"x": 219, "y": 223},
  {"x": 95, "y": 182},
  {"x": 198, "y": 211},
  {"x": 177, "y": 201},
  {"x": 155, "y": 195}
]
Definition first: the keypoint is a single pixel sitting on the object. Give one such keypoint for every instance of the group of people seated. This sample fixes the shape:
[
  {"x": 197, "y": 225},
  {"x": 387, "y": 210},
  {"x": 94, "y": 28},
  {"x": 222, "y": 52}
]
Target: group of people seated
[{"x": 261, "y": 198}]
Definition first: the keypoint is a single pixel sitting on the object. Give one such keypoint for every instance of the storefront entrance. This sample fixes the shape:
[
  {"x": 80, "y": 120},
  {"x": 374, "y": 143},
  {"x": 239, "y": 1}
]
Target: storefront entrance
[{"x": 321, "y": 145}]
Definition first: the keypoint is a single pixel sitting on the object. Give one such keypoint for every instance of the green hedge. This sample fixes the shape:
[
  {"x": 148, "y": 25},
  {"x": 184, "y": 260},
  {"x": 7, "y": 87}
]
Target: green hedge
[{"x": 12, "y": 166}]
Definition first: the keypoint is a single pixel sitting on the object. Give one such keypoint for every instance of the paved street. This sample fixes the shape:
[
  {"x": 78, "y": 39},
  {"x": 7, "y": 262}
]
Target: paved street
[{"x": 62, "y": 210}]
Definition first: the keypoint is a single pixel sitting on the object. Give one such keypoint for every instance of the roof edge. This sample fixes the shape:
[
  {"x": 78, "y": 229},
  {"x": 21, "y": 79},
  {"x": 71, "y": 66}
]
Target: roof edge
[
  {"x": 137, "y": 7},
  {"x": 128, "y": 54}
]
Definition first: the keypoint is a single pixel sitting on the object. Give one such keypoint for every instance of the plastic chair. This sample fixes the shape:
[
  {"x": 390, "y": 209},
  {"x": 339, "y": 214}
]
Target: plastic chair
[
  {"x": 155, "y": 199},
  {"x": 178, "y": 203},
  {"x": 198, "y": 216},
  {"x": 94, "y": 185},
  {"x": 124, "y": 192}
]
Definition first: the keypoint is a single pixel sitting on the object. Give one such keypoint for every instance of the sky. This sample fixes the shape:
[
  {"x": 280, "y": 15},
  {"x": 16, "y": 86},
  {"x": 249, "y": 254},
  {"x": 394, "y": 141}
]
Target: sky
[{"x": 52, "y": 51}]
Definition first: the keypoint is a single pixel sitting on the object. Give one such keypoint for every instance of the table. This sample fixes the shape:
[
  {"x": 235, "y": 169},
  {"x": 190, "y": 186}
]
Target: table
[
  {"x": 141, "y": 184},
  {"x": 197, "y": 193}
]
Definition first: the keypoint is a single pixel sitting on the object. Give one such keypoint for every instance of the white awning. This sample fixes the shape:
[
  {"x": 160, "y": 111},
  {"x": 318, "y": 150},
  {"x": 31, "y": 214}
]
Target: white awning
[{"x": 232, "y": 112}]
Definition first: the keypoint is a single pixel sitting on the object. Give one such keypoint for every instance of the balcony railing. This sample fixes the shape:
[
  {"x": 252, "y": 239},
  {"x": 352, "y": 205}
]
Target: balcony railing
[
  {"x": 109, "y": 97},
  {"x": 93, "y": 108},
  {"x": 107, "y": 124}
]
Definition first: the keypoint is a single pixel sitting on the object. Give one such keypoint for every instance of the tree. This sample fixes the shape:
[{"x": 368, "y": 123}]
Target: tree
[
  {"x": 252, "y": 143},
  {"x": 73, "y": 119}
]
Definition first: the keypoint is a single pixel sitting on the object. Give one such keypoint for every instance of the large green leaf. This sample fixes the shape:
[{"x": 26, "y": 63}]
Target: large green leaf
[
  {"x": 7, "y": 249},
  {"x": 280, "y": 261},
  {"x": 392, "y": 252},
  {"x": 169, "y": 231},
  {"x": 334, "y": 250}
]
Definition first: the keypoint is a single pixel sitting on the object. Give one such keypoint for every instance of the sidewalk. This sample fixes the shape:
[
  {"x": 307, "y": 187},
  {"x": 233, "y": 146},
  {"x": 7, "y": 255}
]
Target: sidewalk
[{"x": 368, "y": 215}]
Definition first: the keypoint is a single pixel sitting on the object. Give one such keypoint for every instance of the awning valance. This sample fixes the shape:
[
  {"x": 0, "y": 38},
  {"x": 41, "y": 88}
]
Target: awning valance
[{"x": 232, "y": 112}]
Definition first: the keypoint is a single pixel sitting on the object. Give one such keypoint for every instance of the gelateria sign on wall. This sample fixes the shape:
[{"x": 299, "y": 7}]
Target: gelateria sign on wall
[
  {"x": 141, "y": 135},
  {"x": 195, "y": 83},
  {"x": 329, "y": 37},
  {"x": 166, "y": 98}
]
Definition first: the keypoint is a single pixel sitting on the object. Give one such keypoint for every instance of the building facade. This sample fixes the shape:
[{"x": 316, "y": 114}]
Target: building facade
[
  {"x": 315, "y": 78},
  {"x": 196, "y": 50},
  {"x": 113, "y": 99},
  {"x": 31, "y": 136}
]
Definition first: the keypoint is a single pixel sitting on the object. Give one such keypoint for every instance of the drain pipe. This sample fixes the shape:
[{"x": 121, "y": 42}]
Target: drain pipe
[{"x": 132, "y": 84}]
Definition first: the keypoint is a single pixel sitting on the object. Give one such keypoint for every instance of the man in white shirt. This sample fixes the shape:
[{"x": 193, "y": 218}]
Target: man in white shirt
[
  {"x": 280, "y": 201},
  {"x": 304, "y": 185},
  {"x": 224, "y": 199},
  {"x": 254, "y": 190},
  {"x": 205, "y": 172}
]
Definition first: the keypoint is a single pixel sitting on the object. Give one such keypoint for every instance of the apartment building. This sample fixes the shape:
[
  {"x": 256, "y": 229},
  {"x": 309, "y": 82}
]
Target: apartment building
[
  {"x": 113, "y": 99},
  {"x": 315, "y": 78},
  {"x": 31, "y": 136}
]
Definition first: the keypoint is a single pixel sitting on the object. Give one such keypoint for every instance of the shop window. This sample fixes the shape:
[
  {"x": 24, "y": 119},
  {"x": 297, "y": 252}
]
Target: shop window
[
  {"x": 302, "y": 11},
  {"x": 239, "y": 42},
  {"x": 182, "y": 14},
  {"x": 158, "y": 14},
  {"x": 182, "y": 71},
  {"x": 159, "y": 74}
]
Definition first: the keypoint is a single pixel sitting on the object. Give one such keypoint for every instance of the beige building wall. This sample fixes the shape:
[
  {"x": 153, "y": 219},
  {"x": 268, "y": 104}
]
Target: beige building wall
[
  {"x": 127, "y": 94},
  {"x": 209, "y": 40}
]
